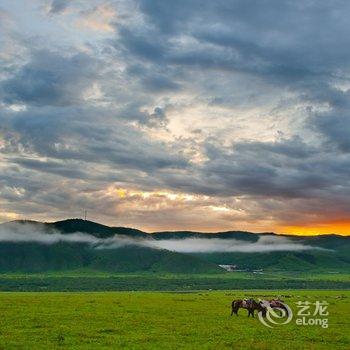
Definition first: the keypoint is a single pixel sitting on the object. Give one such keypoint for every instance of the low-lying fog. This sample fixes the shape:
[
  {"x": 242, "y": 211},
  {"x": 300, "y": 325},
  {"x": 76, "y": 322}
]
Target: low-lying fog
[{"x": 33, "y": 233}]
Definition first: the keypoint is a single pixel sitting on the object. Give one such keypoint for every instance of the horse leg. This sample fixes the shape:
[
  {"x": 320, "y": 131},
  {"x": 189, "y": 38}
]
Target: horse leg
[
  {"x": 233, "y": 308},
  {"x": 234, "y": 311}
]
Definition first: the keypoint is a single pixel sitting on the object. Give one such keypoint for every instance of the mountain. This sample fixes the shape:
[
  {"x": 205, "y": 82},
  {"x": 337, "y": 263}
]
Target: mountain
[
  {"x": 79, "y": 225},
  {"x": 240, "y": 235},
  {"x": 36, "y": 256},
  {"x": 283, "y": 260},
  {"x": 75, "y": 243},
  {"x": 334, "y": 256}
]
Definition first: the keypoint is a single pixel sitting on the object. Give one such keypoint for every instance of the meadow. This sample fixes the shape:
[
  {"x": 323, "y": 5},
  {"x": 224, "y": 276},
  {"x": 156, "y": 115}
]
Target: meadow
[
  {"x": 162, "y": 320},
  {"x": 87, "y": 281}
]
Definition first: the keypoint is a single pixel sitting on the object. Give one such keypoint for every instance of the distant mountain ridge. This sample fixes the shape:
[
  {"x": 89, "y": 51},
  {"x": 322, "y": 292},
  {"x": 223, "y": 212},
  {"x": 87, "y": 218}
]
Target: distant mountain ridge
[
  {"x": 80, "y": 225},
  {"x": 39, "y": 257},
  {"x": 103, "y": 231},
  {"x": 35, "y": 256}
]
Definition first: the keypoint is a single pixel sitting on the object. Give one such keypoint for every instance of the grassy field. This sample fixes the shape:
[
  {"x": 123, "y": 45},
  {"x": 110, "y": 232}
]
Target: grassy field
[
  {"x": 78, "y": 281},
  {"x": 154, "y": 320}
]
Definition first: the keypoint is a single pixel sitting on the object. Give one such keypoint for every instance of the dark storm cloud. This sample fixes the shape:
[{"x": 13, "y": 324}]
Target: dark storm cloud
[
  {"x": 66, "y": 134},
  {"x": 284, "y": 169},
  {"x": 280, "y": 169},
  {"x": 262, "y": 37},
  {"x": 57, "y": 6},
  {"x": 336, "y": 127},
  {"x": 57, "y": 168},
  {"x": 142, "y": 43},
  {"x": 133, "y": 112},
  {"x": 50, "y": 78},
  {"x": 334, "y": 124},
  {"x": 302, "y": 46}
]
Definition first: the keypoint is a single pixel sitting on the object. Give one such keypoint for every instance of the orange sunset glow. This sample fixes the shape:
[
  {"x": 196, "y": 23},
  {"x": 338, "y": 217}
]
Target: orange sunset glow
[{"x": 341, "y": 227}]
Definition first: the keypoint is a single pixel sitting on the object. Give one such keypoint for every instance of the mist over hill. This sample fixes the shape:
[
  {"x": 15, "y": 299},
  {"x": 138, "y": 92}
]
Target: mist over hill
[{"x": 29, "y": 246}]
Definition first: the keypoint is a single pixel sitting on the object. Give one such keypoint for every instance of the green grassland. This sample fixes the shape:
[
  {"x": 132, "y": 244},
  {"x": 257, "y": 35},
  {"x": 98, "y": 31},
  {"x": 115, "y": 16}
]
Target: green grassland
[
  {"x": 155, "y": 320},
  {"x": 87, "y": 280}
]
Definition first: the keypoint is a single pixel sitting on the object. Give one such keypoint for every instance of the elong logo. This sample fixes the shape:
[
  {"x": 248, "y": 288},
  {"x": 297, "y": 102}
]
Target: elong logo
[{"x": 276, "y": 313}]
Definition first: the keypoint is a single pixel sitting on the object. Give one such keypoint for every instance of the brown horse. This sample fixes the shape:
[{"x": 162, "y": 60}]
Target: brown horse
[
  {"x": 250, "y": 304},
  {"x": 274, "y": 304},
  {"x": 278, "y": 304}
]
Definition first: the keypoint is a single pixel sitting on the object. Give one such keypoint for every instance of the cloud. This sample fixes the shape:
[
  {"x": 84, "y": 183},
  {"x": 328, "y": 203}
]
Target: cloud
[
  {"x": 58, "y": 6},
  {"x": 334, "y": 123},
  {"x": 29, "y": 233},
  {"x": 98, "y": 18},
  {"x": 50, "y": 78},
  {"x": 266, "y": 83},
  {"x": 216, "y": 245},
  {"x": 236, "y": 36}
]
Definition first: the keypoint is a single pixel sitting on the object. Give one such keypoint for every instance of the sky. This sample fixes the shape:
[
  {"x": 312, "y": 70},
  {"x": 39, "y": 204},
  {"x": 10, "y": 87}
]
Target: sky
[{"x": 177, "y": 115}]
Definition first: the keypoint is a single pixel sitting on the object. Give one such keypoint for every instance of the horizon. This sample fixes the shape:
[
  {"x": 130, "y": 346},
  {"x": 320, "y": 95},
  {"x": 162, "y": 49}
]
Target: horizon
[
  {"x": 174, "y": 231},
  {"x": 208, "y": 117}
]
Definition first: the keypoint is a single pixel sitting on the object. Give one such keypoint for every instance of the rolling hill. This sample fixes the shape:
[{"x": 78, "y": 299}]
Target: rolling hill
[
  {"x": 29, "y": 246},
  {"x": 36, "y": 256}
]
